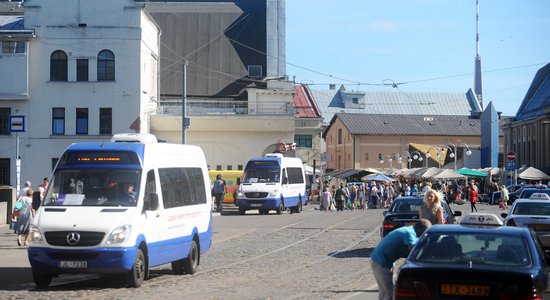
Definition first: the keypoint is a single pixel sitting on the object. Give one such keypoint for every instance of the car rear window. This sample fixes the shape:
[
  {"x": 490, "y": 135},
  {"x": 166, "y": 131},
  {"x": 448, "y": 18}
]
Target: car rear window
[
  {"x": 474, "y": 249},
  {"x": 532, "y": 209},
  {"x": 406, "y": 206}
]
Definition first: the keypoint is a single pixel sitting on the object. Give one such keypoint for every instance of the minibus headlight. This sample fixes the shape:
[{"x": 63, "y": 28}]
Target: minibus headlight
[
  {"x": 240, "y": 194},
  {"x": 273, "y": 193},
  {"x": 34, "y": 235},
  {"x": 120, "y": 234}
]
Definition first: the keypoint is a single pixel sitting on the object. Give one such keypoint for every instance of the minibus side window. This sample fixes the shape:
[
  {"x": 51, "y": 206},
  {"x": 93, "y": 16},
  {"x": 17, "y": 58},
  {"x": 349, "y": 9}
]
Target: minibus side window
[
  {"x": 182, "y": 186},
  {"x": 150, "y": 192},
  {"x": 295, "y": 175}
]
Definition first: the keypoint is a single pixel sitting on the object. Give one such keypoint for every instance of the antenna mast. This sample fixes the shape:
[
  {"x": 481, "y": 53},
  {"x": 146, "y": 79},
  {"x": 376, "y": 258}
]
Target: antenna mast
[{"x": 477, "y": 79}]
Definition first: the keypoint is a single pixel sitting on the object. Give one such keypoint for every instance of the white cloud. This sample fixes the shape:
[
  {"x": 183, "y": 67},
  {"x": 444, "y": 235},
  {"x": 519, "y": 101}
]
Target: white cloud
[{"x": 383, "y": 26}]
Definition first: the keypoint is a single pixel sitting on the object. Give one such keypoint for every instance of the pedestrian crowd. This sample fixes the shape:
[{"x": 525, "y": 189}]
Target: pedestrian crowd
[{"x": 371, "y": 195}]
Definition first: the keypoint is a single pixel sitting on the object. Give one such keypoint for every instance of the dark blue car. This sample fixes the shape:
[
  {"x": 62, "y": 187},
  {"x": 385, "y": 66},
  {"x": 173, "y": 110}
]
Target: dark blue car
[
  {"x": 475, "y": 262},
  {"x": 404, "y": 211}
]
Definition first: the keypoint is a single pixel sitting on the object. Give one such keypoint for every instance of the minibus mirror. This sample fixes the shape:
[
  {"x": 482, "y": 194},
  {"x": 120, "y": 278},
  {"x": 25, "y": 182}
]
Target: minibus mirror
[{"x": 285, "y": 180}]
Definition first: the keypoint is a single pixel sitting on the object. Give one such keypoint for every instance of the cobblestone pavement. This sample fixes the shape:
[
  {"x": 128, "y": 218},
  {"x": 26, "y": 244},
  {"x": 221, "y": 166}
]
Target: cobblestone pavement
[{"x": 315, "y": 256}]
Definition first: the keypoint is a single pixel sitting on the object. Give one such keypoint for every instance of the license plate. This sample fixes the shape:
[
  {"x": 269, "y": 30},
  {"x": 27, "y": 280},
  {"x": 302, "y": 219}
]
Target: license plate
[
  {"x": 410, "y": 223},
  {"x": 256, "y": 205},
  {"x": 465, "y": 290},
  {"x": 540, "y": 227},
  {"x": 73, "y": 264}
]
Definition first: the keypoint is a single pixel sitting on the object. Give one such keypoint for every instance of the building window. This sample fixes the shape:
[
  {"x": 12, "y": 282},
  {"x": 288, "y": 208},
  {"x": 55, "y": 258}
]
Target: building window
[
  {"x": 303, "y": 140},
  {"x": 355, "y": 100},
  {"x": 218, "y": 167},
  {"x": 105, "y": 120},
  {"x": 240, "y": 167},
  {"x": 58, "y": 120},
  {"x": 13, "y": 47},
  {"x": 339, "y": 135},
  {"x": 367, "y": 156},
  {"x": 54, "y": 162},
  {"x": 81, "y": 70},
  {"x": 105, "y": 66},
  {"x": 58, "y": 66},
  {"x": 5, "y": 121},
  {"x": 229, "y": 167},
  {"x": 81, "y": 121}
]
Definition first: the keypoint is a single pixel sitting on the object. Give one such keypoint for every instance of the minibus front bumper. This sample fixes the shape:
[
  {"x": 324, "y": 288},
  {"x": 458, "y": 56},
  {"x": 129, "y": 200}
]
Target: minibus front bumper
[
  {"x": 265, "y": 203},
  {"x": 97, "y": 260}
]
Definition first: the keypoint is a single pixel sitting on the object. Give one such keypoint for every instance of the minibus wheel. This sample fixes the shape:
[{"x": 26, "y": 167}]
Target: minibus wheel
[
  {"x": 191, "y": 263},
  {"x": 281, "y": 207},
  {"x": 242, "y": 211},
  {"x": 299, "y": 206},
  {"x": 42, "y": 280},
  {"x": 136, "y": 276}
]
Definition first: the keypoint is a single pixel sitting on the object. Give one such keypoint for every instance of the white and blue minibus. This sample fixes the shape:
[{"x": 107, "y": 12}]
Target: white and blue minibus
[
  {"x": 272, "y": 182},
  {"x": 122, "y": 207}
]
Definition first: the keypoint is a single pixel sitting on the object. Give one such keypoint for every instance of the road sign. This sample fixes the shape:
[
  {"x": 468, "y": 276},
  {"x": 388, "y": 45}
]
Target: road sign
[
  {"x": 510, "y": 165},
  {"x": 511, "y": 155}
]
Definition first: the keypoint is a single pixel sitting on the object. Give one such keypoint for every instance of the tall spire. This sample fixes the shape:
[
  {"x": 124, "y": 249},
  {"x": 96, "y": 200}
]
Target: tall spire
[{"x": 477, "y": 80}]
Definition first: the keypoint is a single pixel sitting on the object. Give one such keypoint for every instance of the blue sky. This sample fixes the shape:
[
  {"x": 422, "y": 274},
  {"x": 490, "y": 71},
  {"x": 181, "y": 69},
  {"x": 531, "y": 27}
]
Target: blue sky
[{"x": 428, "y": 45}]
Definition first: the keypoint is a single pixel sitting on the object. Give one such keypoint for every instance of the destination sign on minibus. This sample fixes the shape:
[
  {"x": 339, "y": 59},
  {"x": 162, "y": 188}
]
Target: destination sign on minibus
[{"x": 103, "y": 157}]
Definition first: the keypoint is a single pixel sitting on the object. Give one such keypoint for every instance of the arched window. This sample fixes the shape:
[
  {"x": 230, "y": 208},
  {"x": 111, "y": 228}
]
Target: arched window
[
  {"x": 105, "y": 66},
  {"x": 58, "y": 66}
]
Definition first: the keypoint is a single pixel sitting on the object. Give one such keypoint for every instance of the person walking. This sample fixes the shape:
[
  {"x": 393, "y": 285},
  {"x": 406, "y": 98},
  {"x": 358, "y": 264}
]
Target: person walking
[
  {"x": 431, "y": 209},
  {"x": 473, "y": 196},
  {"x": 362, "y": 196},
  {"x": 374, "y": 195},
  {"x": 395, "y": 245},
  {"x": 504, "y": 197},
  {"x": 24, "y": 218},
  {"x": 218, "y": 191},
  {"x": 340, "y": 198},
  {"x": 325, "y": 199}
]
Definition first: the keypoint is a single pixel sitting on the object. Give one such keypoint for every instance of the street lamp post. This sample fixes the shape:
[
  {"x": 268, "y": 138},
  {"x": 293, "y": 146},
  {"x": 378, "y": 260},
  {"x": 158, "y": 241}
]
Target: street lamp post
[
  {"x": 428, "y": 155},
  {"x": 468, "y": 152},
  {"x": 417, "y": 156},
  {"x": 452, "y": 155}
]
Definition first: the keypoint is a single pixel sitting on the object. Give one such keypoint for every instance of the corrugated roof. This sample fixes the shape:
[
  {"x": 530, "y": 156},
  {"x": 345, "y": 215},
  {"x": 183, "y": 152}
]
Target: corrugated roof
[
  {"x": 331, "y": 102},
  {"x": 381, "y": 124},
  {"x": 305, "y": 107}
]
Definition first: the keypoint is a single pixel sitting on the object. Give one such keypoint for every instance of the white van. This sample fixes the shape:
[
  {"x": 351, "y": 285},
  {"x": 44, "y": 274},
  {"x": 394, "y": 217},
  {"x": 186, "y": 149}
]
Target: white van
[
  {"x": 273, "y": 182},
  {"x": 123, "y": 207}
]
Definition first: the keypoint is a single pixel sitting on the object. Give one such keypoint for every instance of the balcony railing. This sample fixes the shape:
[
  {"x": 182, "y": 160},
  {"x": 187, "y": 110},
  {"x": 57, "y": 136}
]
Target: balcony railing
[{"x": 213, "y": 108}]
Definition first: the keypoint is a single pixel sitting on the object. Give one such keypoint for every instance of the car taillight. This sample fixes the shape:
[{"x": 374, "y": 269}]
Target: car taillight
[
  {"x": 389, "y": 226},
  {"x": 511, "y": 222},
  {"x": 515, "y": 292},
  {"x": 412, "y": 288}
]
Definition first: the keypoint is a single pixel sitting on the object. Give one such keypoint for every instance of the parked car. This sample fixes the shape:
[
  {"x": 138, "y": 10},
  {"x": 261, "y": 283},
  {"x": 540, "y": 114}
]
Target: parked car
[
  {"x": 531, "y": 213},
  {"x": 527, "y": 192},
  {"x": 481, "y": 262},
  {"x": 515, "y": 195},
  {"x": 404, "y": 211}
]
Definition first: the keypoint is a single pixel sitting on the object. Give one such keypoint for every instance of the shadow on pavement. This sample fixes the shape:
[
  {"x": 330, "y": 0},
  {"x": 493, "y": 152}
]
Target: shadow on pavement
[{"x": 361, "y": 252}]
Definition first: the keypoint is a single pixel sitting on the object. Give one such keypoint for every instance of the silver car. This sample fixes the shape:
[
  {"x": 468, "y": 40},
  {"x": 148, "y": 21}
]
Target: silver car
[{"x": 531, "y": 213}]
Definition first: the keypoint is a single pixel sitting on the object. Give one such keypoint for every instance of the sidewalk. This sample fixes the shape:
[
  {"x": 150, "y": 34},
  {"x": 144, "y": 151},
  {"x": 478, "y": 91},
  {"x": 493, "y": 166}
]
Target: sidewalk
[{"x": 15, "y": 269}]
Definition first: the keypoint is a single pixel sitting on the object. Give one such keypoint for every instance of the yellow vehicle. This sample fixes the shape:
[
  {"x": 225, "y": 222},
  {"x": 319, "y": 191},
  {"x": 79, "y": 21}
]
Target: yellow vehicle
[{"x": 230, "y": 178}]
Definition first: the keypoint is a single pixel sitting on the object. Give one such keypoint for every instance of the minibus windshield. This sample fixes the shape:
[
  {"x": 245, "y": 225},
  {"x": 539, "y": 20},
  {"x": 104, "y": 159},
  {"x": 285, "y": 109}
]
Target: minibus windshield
[
  {"x": 93, "y": 187},
  {"x": 269, "y": 174}
]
